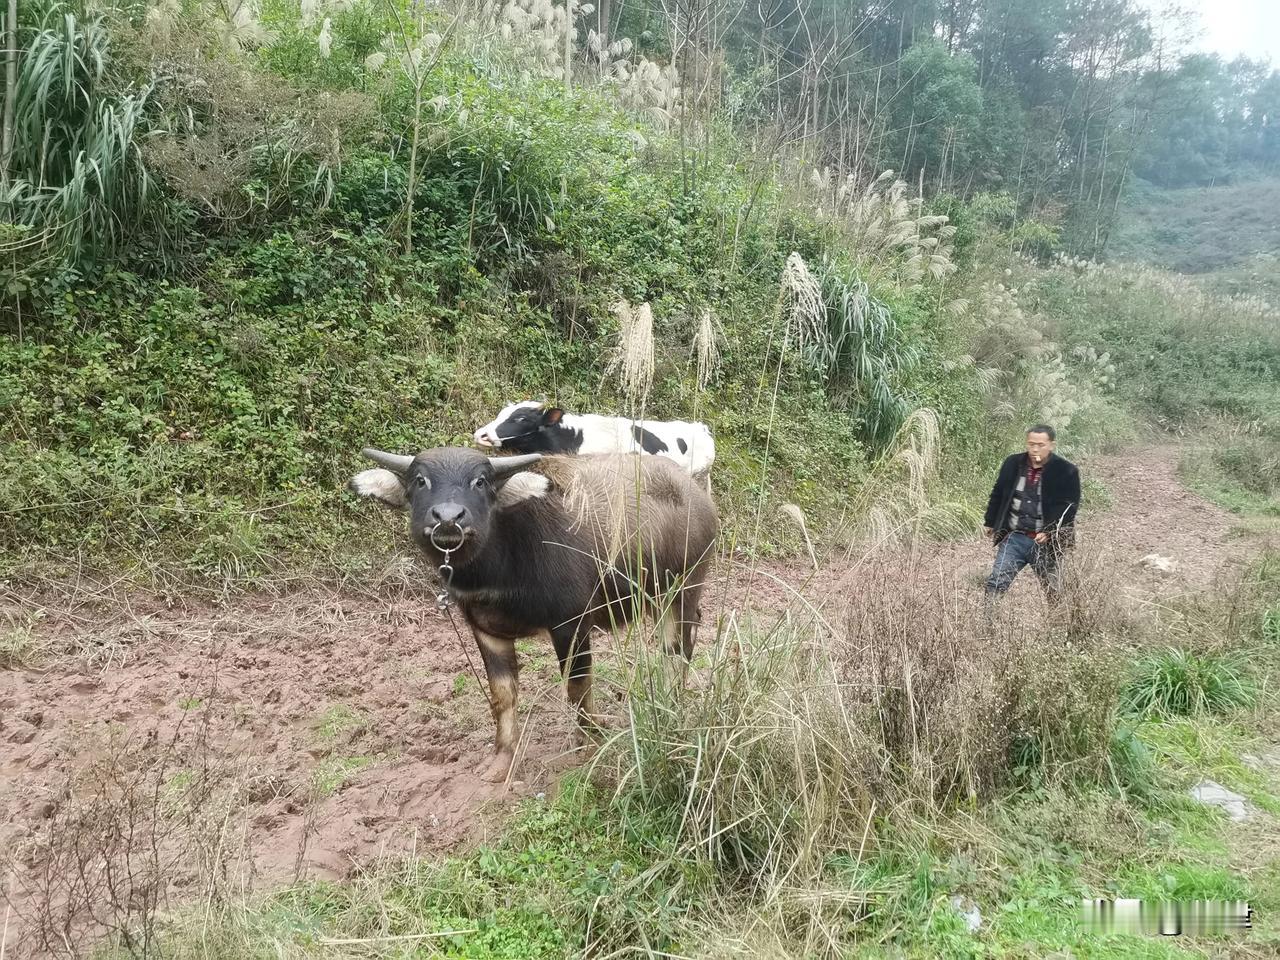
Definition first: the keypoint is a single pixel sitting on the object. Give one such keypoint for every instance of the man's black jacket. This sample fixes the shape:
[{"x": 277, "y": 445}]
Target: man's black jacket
[{"x": 1059, "y": 496}]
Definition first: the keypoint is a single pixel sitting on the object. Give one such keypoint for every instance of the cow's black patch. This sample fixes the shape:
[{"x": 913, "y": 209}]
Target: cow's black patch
[
  {"x": 684, "y": 447},
  {"x": 648, "y": 442},
  {"x": 534, "y": 431}
]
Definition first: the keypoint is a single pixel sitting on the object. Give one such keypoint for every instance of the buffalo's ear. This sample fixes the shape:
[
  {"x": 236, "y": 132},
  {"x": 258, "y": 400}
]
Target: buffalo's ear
[
  {"x": 512, "y": 482},
  {"x": 522, "y": 485},
  {"x": 552, "y": 416},
  {"x": 382, "y": 485}
]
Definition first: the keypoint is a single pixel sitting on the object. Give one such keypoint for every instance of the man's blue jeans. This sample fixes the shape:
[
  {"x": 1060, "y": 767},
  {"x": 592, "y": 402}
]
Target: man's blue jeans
[{"x": 1016, "y": 551}]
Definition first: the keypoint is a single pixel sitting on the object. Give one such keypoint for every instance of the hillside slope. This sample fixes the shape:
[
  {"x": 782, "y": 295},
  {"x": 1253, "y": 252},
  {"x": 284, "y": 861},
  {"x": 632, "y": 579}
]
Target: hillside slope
[{"x": 1198, "y": 229}]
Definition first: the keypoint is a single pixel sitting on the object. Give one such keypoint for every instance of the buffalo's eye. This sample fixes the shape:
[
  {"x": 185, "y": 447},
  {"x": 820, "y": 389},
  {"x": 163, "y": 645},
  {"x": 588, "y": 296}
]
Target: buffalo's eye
[
  {"x": 480, "y": 482},
  {"x": 420, "y": 481}
]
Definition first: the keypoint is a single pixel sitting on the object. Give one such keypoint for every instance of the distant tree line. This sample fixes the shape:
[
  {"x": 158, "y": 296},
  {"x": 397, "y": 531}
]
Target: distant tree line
[{"x": 1057, "y": 102}]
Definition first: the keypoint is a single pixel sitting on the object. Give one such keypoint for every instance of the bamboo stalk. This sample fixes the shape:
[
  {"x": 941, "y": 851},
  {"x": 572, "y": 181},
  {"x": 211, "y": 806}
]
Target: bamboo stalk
[{"x": 10, "y": 88}]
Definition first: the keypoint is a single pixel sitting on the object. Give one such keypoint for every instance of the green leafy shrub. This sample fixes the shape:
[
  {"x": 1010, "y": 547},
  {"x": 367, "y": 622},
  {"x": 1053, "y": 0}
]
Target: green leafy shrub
[
  {"x": 1036, "y": 239},
  {"x": 1171, "y": 365},
  {"x": 212, "y": 418}
]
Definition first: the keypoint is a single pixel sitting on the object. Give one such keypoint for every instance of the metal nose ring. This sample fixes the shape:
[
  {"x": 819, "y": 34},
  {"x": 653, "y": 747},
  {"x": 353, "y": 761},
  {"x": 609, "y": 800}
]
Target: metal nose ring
[{"x": 435, "y": 529}]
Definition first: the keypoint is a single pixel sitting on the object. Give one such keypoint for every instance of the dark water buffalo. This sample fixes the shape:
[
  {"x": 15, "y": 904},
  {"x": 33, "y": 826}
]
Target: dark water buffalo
[{"x": 557, "y": 545}]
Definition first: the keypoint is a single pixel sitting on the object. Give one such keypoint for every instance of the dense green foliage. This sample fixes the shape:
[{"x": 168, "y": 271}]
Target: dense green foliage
[
  {"x": 1180, "y": 354},
  {"x": 282, "y": 241},
  {"x": 1181, "y": 683},
  {"x": 1216, "y": 122},
  {"x": 1057, "y": 102},
  {"x": 377, "y": 284}
]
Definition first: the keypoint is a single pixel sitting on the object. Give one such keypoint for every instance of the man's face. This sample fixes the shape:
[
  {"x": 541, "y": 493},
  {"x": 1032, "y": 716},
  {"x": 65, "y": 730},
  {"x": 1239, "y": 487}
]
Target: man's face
[{"x": 1039, "y": 446}]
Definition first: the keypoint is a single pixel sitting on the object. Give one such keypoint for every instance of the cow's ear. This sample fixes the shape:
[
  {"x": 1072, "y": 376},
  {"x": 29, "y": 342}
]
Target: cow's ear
[
  {"x": 382, "y": 485},
  {"x": 551, "y": 417}
]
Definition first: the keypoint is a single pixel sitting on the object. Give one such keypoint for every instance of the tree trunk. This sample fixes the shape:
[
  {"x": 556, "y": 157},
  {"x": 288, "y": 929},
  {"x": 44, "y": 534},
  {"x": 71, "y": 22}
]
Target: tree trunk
[
  {"x": 412, "y": 185},
  {"x": 603, "y": 26},
  {"x": 568, "y": 47},
  {"x": 10, "y": 88}
]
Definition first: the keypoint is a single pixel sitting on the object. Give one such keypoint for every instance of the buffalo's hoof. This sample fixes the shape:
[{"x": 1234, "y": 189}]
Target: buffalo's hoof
[
  {"x": 589, "y": 732},
  {"x": 696, "y": 680},
  {"x": 497, "y": 768}
]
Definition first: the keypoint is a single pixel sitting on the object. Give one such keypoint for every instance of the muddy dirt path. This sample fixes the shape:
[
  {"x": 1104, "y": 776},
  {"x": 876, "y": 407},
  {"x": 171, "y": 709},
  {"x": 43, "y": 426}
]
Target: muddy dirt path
[
  {"x": 329, "y": 728},
  {"x": 1148, "y": 513}
]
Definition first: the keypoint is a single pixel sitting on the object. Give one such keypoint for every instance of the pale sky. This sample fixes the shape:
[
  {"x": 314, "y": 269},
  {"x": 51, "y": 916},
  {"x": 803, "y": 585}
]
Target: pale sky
[{"x": 1232, "y": 27}]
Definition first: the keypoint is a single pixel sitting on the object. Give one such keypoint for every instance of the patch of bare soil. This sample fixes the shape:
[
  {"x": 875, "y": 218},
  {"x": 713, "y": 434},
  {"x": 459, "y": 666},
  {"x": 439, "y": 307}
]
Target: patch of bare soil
[
  {"x": 308, "y": 734},
  {"x": 331, "y": 728},
  {"x": 1153, "y": 513}
]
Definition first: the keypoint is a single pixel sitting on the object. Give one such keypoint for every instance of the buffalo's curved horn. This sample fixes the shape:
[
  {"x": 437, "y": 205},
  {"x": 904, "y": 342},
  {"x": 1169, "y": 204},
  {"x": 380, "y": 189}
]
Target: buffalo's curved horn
[
  {"x": 505, "y": 465},
  {"x": 395, "y": 462}
]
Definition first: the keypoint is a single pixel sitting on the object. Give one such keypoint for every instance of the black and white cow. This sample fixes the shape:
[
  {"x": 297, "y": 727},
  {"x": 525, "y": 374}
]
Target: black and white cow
[{"x": 532, "y": 427}]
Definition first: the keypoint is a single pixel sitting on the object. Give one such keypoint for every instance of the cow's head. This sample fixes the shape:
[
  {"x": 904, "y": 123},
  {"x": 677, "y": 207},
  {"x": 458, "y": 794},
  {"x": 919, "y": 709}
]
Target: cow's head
[
  {"x": 450, "y": 493},
  {"x": 518, "y": 426}
]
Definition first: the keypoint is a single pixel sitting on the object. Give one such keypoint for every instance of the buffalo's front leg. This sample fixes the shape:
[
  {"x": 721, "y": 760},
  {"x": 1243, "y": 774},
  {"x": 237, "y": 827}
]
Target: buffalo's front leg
[{"x": 501, "y": 667}]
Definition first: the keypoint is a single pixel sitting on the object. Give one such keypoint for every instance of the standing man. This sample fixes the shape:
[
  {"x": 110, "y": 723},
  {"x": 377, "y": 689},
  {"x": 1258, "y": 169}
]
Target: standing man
[{"x": 1031, "y": 514}]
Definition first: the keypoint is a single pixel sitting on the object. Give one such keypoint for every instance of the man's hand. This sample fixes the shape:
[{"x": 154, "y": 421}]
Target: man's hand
[
  {"x": 986, "y": 532},
  {"x": 1042, "y": 537}
]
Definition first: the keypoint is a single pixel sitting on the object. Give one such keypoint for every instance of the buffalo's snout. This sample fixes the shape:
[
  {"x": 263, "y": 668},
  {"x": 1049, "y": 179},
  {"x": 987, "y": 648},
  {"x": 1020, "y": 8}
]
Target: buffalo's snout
[
  {"x": 449, "y": 514},
  {"x": 447, "y": 526}
]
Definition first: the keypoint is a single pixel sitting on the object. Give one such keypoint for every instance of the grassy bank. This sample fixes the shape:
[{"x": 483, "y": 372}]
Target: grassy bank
[
  {"x": 195, "y": 401},
  {"x": 1198, "y": 230},
  {"x": 321, "y": 251},
  {"x": 830, "y": 794}
]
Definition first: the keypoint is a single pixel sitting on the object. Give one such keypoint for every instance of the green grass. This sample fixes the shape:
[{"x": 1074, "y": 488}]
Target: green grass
[
  {"x": 1205, "y": 749},
  {"x": 1239, "y": 473},
  {"x": 1183, "y": 881},
  {"x": 1180, "y": 683},
  {"x": 337, "y": 721},
  {"x": 1043, "y": 909},
  {"x": 1172, "y": 369},
  {"x": 332, "y": 773},
  {"x": 19, "y": 647},
  {"x": 569, "y": 864},
  {"x": 1270, "y": 625},
  {"x": 1095, "y": 494},
  {"x": 1258, "y": 276},
  {"x": 180, "y": 781}
]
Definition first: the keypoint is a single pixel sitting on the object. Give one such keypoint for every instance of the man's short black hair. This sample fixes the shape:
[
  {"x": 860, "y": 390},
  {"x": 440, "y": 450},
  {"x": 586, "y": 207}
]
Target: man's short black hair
[{"x": 1045, "y": 429}]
